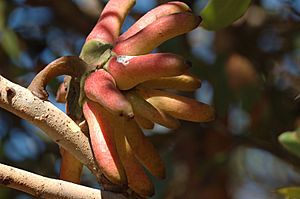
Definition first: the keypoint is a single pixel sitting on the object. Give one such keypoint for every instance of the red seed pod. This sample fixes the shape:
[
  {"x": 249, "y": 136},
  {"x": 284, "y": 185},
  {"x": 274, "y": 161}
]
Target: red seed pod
[
  {"x": 103, "y": 144},
  {"x": 128, "y": 71},
  {"x": 157, "y": 32},
  {"x": 100, "y": 87},
  {"x": 154, "y": 14}
]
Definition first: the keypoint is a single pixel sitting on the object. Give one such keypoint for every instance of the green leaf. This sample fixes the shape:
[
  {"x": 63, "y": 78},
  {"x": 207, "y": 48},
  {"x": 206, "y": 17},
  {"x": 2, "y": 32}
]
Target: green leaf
[
  {"x": 220, "y": 13},
  {"x": 2, "y": 14},
  {"x": 95, "y": 52},
  {"x": 289, "y": 192},
  {"x": 291, "y": 142},
  {"x": 10, "y": 43}
]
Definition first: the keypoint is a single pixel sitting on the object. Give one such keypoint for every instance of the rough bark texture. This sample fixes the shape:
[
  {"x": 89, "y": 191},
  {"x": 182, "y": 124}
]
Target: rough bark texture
[
  {"x": 43, "y": 187},
  {"x": 55, "y": 123}
]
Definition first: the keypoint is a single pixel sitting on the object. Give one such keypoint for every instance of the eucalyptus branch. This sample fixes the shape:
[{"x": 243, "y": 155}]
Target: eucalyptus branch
[
  {"x": 43, "y": 187},
  {"x": 55, "y": 123}
]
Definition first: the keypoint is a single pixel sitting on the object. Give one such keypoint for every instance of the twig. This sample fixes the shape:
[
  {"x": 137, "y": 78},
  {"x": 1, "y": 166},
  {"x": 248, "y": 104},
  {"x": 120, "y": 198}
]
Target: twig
[
  {"x": 43, "y": 187},
  {"x": 273, "y": 148}
]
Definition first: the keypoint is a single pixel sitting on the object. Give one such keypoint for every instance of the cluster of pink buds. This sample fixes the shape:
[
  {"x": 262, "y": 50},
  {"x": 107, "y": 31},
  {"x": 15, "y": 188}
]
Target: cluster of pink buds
[{"x": 126, "y": 90}]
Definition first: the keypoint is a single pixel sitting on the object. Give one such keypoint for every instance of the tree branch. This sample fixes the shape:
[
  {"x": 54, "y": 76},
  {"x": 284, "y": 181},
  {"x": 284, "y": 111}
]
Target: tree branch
[
  {"x": 58, "y": 126},
  {"x": 274, "y": 148},
  {"x": 43, "y": 187}
]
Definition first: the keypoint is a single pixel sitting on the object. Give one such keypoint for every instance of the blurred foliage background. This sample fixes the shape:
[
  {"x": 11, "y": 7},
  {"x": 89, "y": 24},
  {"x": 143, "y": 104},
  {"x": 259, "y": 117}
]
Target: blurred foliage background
[{"x": 249, "y": 72}]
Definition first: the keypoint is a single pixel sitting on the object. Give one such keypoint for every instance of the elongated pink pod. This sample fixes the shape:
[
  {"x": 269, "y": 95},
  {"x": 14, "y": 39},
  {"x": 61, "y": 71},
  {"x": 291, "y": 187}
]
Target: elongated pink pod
[
  {"x": 178, "y": 106},
  {"x": 70, "y": 167},
  {"x": 144, "y": 150},
  {"x": 138, "y": 180},
  {"x": 100, "y": 87},
  {"x": 128, "y": 71},
  {"x": 184, "y": 82},
  {"x": 103, "y": 144},
  {"x": 143, "y": 122},
  {"x": 157, "y": 32},
  {"x": 148, "y": 111},
  {"x": 111, "y": 19},
  {"x": 154, "y": 14}
]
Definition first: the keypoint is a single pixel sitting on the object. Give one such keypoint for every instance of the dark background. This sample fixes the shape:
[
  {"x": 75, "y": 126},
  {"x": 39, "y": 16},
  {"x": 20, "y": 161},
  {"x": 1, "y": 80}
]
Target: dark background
[{"x": 249, "y": 72}]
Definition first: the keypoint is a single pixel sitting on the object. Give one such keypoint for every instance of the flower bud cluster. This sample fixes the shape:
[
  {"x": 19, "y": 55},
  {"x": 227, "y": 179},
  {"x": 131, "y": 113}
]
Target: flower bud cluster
[
  {"x": 121, "y": 88},
  {"x": 128, "y": 90}
]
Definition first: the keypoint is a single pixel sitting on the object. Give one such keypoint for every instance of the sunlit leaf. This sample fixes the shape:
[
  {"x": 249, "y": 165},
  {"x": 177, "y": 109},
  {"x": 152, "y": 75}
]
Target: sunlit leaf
[
  {"x": 8, "y": 38},
  {"x": 9, "y": 42},
  {"x": 291, "y": 142},
  {"x": 220, "y": 13},
  {"x": 289, "y": 192},
  {"x": 2, "y": 15}
]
